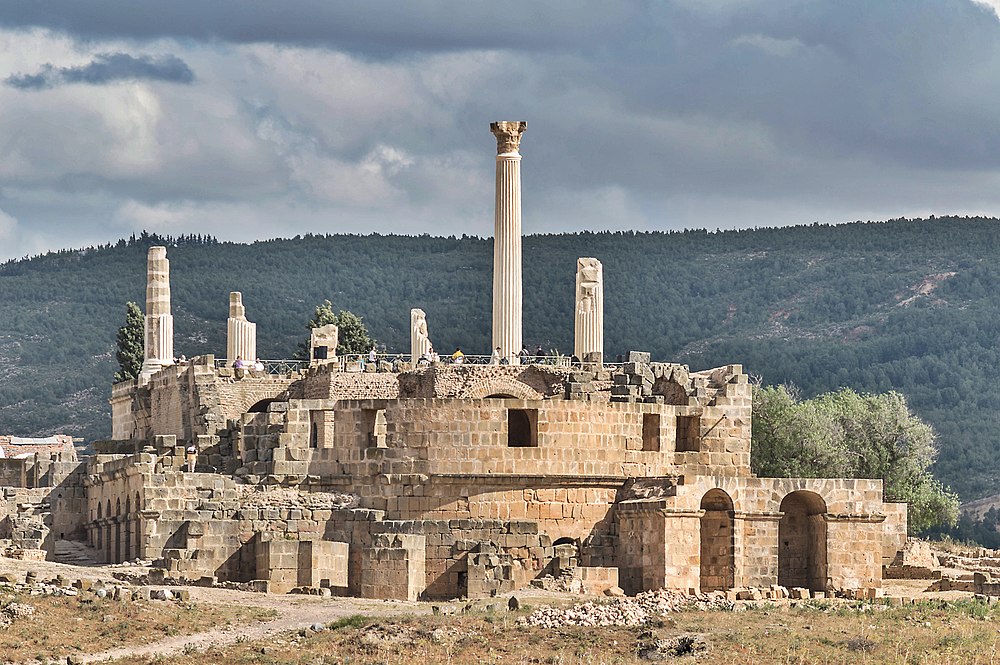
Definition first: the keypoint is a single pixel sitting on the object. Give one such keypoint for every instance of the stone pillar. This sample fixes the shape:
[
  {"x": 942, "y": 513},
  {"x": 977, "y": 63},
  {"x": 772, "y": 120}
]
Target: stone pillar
[
  {"x": 159, "y": 322},
  {"x": 588, "y": 337},
  {"x": 420, "y": 342},
  {"x": 507, "y": 241},
  {"x": 323, "y": 344},
  {"x": 241, "y": 335}
]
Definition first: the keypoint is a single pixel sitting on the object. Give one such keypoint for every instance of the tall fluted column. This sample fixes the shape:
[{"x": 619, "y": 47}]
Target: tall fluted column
[
  {"x": 241, "y": 335},
  {"x": 507, "y": 241},
  {"x": 159, "y": 322},
  {"x": 589, "y": 321}
]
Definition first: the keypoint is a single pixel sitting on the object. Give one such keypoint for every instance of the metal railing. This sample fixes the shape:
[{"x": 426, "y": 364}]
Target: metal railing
[
  {"x": 465, "y": 359},
  {"x": 358, "y": 362},
  {"x": 270, "y": 366}
]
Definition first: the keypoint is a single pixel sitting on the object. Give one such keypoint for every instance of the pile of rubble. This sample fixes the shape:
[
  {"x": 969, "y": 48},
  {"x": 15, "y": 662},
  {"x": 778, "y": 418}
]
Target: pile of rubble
[
  {"x": 252, "y": 496},
  {"x": 625, "y": 611},
  {"x": 60, "y": 586},
  {"x": 14, "y": 611}
]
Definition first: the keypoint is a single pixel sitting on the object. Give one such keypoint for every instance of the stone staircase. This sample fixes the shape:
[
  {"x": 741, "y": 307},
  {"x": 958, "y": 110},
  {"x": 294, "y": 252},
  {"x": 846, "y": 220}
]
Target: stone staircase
[{"x": 76, "y": 553}]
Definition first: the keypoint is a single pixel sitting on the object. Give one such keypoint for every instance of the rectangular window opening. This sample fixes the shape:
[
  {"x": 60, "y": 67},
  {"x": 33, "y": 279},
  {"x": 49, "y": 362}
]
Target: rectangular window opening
[
  {"x": 320, "y": 428},
  {"x": 522, "y": 428},
  {"x": 651, "y": 432},
  {"x": 688, "y": 434}
]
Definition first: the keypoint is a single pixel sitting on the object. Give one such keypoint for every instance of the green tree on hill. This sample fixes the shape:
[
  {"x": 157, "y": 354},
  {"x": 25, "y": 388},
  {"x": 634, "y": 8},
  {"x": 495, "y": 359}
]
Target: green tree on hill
[
  {"x": 844, "y": 434},
  {"x": 131, "y": 342},
  {"x": 352, "y": 334}
]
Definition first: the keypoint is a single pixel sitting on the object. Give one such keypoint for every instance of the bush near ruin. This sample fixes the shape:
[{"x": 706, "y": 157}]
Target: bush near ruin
[{"x": 845, "y": 434}]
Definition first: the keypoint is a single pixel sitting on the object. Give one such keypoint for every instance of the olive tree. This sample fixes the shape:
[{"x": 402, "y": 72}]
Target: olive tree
[{"x": 850, "y": 435}]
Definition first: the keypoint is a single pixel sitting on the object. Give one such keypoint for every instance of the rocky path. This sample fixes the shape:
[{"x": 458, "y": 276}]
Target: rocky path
[{"x": 294, "y": 612}]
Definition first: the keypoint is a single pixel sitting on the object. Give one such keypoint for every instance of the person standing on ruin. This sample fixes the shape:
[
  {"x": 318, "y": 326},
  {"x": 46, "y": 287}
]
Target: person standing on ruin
[
  {"x": 192, "y": 458},
  {"x": 372, "y": 355},
  {"x": 495, "y": 358},
  {"x": 458, "y": 357},
  {"x": 239, "y": 368},
  {"x": 539, "y": 354},
  {"x": 525, "y": 355}
]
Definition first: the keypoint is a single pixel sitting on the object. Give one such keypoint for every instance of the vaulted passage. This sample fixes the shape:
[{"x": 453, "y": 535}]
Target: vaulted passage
[
  {"x": 717, "y": 567},
  {"x": 802, "y": 541}
]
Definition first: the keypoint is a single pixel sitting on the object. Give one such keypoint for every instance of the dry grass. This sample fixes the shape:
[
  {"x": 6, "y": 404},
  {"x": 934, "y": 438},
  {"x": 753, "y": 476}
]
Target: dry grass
[
  {"x": 933, "y": 632},
  {"x": 87, "y": 624}
]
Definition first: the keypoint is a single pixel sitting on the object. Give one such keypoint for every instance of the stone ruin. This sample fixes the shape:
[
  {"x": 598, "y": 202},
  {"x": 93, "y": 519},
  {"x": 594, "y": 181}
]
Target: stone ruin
[
  {"x": 41, "y": 494},
  {"x": 433, "y": 480}
]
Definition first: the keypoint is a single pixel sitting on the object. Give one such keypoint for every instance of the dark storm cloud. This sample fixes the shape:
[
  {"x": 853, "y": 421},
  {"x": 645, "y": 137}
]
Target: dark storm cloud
[
  {"x": 375, "y": 27},
  {"x": 106, "y": 68},
  {"x": 642, "y": 114}
]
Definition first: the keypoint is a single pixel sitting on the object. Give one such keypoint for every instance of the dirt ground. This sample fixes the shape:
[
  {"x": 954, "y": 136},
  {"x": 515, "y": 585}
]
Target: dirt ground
[{"x": 228, "y": 627}]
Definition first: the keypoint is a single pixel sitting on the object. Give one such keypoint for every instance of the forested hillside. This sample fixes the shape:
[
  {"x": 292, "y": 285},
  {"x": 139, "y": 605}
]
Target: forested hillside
[{"x": 907, "y": 305}]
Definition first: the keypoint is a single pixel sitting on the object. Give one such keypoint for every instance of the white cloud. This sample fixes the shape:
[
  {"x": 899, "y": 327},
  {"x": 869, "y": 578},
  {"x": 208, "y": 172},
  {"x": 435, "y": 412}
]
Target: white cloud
[
  {"x": 166, "y": 219},
  {"x": 993, "y": 5}
]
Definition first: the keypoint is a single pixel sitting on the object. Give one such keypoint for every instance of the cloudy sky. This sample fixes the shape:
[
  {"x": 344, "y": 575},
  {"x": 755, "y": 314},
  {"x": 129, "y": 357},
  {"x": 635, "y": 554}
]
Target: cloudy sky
[{"x": 254, "y": 118}]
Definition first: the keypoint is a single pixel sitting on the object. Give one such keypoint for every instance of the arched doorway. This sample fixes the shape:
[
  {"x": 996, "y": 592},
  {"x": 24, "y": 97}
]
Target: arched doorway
[
  {"x": 802, "y": 541},
  {"x": 261, "y": 406},
  {"x": 128, "y": 529},
  {"x": 108, "y": 551},
  {"x": 138, "y": 526},
  {"x": 98, "y": 526},
  {"x": 118, "y": 531},
  {"x": 717, "y": 541}
]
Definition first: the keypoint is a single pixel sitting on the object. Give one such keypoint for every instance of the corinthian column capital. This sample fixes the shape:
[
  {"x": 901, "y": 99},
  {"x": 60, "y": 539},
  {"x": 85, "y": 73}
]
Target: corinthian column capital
[{"x": 508, "y": 135}]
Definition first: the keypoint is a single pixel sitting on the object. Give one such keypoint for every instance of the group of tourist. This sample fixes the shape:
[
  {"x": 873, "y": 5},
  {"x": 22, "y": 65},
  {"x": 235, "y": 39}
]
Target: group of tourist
[
  {"x": 428, "y": 358},
  {"x": 524, "y": 356},
  {"x": 255, "y": 365}
]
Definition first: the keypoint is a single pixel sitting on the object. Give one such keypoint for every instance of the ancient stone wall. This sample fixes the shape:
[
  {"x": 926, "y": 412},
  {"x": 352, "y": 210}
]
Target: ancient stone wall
[
  {"x": 894, "y": 529},
  {"x": 50, "y": 505},
  {"x": 14, "y": 472},
  {"x": 537, "y": 438},
  {"x": 823, "y": 534},
  {"x": 192, "y": 399}
]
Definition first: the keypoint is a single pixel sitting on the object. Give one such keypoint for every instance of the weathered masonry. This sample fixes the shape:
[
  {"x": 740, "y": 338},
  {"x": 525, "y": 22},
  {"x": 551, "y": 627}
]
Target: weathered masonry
[
  {"x": 421, "y": 479},
  {"x": 470, "y": 480}
]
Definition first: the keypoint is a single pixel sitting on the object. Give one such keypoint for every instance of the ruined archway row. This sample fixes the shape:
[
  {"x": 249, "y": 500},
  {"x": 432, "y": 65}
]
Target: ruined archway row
[
  {"x": 719, "y": 533},
  {"x": 116, "y": 523}
]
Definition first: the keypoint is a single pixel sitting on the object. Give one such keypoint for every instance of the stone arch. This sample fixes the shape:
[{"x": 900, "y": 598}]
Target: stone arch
[
  {"x": 802, "y": 546},
  {"x": 238, "y": 398},
  {"x": 500, "y": 386},
  {"x": 98, "y": 539},
  {"x": 137, "y": 528},
  {"x": 128, "y": 528},
  {"x": 260, "y": 406},
  {"x": 672, "y": 392},
  {"x": 107, "y": 533},
  {"x": 118, "y": 531},
  {"x": 718, "y": 561}
]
